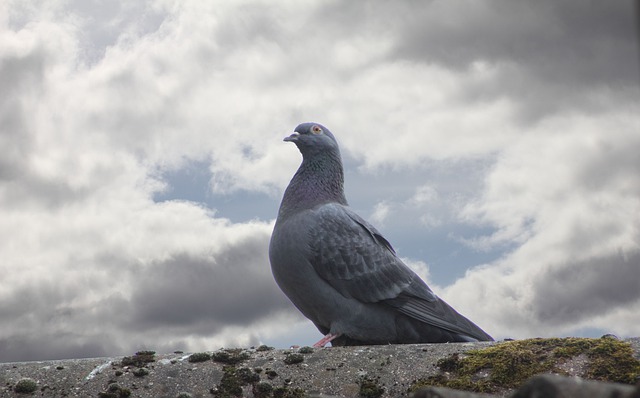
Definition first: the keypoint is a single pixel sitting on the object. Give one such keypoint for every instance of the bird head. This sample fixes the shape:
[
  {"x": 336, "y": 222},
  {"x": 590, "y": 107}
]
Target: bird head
[{"x": 312, "y": 138}]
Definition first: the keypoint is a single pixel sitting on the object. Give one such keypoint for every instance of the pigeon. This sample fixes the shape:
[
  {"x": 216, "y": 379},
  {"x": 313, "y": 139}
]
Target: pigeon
[{"x": 339, "y": 270}]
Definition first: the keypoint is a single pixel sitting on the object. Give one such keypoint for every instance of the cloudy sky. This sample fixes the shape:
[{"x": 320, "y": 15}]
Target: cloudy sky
[{"x": 494, "y": 143}]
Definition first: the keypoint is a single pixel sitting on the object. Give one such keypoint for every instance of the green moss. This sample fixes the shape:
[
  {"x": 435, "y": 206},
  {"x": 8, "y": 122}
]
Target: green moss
[
  {"x": 233, "y": 380},
  {"x": 271, "y": 374},
  {"x": 291, "y": 359},
  {"x": 199, "y": 357},
  {"x": 306, "y": 350},
  {"x": 449, "y": 364},
  {"x": 141, "y": 372},
  {"x": 570, "y": 347},
  {"x": 507, "y": 365},
  {"x": 286, "y": 392},
  {"x": 140, "y": 359},
  {"x": 25, "y": 386},
  {"x": 230, "y": 385},
  {"x": 612, "y": 360},
  {"x": 113, "y": 387},
  {"x": 115, "y": 391},
  {"x": 230, "y": 356},
  {"x": 262, "y": 390},
  {"x": 369, "y": 388},
  {"x": 247, "y": 376}
]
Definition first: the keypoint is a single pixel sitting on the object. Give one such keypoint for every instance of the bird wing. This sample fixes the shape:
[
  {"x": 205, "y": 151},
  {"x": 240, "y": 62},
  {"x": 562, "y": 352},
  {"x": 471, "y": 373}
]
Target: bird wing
[{"x": 357, "y": 261}]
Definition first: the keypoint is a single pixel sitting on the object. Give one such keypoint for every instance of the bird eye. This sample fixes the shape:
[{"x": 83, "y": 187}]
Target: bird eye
[{"x": 316, "y": 130}]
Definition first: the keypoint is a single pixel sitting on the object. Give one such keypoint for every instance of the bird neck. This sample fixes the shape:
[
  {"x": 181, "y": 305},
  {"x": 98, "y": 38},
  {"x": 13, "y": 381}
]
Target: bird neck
[{"x": 319, "y": 180}]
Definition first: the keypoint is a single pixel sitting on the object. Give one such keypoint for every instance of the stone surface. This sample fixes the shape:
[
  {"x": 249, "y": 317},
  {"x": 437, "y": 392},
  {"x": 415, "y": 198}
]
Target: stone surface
[{"x": 387, "y": 371}]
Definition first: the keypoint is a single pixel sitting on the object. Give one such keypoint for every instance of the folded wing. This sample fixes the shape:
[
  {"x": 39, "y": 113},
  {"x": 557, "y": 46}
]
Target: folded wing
[{"x": 357, "y": 261}]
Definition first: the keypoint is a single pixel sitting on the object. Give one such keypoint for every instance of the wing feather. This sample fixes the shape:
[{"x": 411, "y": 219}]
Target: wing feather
[{"x": 356, "y": 260}]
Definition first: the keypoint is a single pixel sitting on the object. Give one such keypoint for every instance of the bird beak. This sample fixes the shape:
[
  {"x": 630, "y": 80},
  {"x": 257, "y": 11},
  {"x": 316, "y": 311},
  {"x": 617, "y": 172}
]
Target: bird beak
[{"x": 293, "y": 137}]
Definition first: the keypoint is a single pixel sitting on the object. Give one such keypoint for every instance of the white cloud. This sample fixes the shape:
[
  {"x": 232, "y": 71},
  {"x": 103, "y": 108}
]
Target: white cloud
[
  {"x": 569, "y": 194},
  {"x": 99, "y": 100},
  {"x": 380, "y": 213},
  {"x": 81, "y": 235},
  {"x": 424, "y": 195},
  {"x": 422, "y": 269}
]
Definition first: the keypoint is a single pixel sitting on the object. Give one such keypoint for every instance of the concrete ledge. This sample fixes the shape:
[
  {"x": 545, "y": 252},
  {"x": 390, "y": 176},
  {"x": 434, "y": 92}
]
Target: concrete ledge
[{"x": 372, "y": 371}]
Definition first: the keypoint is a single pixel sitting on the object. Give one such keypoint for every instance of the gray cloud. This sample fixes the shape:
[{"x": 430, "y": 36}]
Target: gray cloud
[
  {"x": 580, "y": 43},
  {"x": 234, "y": 287},
  {"x": 189, "y": 298},
  {"x": 550, "y": 55},
  {"x": 18, "y": 75},
  {"x": 587, "y": 288},
  {"x": 615, "y": 163},
  {"x": 41, "y": 323}
]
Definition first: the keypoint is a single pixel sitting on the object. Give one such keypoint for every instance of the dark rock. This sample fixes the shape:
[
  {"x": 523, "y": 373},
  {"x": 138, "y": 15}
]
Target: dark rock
[
  {"x": 554, "y": 386},
  {"x": 442, "y": 392}
]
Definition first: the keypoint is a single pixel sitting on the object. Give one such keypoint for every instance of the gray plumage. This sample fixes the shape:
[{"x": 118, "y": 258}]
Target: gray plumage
[{"x": 340, "y": 272}]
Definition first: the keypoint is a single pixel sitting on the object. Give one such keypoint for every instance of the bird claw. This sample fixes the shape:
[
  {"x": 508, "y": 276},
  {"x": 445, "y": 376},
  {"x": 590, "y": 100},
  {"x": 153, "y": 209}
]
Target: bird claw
[{"x": 326, "y": 339}]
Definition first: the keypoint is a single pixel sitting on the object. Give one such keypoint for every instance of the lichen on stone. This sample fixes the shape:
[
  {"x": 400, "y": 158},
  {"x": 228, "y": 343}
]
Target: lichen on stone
[
  {"x": 271, "y": 374},
  {"x": 115, "y": 391},
  {"x": 293, "y": 358},
  {"x": 233, "y": 379},
  {"x": 199, "y": 357},
  {"x": 370, "y": 388},
  {"x": 25, "y": 386},
  {"x": 262, "y": 390},
  {"x": 140, "y": 359},
  {"x": 140, "y": 372},
  {"x": 230, "y": 356},
  {"x": 287, "y": 392}
]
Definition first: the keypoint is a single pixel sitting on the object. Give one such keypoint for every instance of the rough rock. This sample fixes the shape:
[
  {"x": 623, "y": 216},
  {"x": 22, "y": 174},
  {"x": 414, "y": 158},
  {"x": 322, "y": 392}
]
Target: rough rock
[
  {"x": 554, "y": 386},
  {"x": 370, "y": 371}
]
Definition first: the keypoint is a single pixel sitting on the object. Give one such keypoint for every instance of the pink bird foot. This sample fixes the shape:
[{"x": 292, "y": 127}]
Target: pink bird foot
[{"x": 326, "y": 339}]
